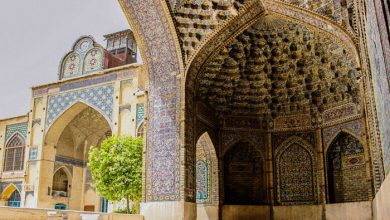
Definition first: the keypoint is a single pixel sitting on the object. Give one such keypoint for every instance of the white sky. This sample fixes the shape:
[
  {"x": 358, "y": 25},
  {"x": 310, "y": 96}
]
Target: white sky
[{"x": 36, "y": 34}]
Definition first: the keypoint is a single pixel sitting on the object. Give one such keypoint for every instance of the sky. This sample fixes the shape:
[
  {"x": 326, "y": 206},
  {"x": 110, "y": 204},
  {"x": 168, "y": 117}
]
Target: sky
[{"x": 36, "y": 34}]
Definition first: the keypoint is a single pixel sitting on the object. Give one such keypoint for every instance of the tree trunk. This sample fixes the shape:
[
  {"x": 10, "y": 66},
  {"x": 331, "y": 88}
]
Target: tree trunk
[{"x": 128, "y": 204}]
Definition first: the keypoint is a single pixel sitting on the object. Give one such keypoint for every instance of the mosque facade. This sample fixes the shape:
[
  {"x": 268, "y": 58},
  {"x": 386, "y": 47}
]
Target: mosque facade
[{"x": 250, "y": 109}]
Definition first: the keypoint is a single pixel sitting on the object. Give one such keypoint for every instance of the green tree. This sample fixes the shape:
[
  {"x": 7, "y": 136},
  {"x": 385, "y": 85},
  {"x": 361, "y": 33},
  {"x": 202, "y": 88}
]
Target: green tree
[{"x": 117, "y": 169}]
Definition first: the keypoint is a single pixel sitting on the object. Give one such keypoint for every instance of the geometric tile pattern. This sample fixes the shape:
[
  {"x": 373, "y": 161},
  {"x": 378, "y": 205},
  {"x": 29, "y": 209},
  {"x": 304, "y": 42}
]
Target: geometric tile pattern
[
  {"x": 164, "y": 178},
  {"x": 206, "y": 171},
  {"x": 140, "y": 113},
  {"x": 101, "y": 98},
  {"x": 11, "y": 129},
  {"x": 33, "y": 154},
  {"x": 84, "y": 58},
  {"x": 296, "y": 175},
  {"x": 202, "y": 180}
]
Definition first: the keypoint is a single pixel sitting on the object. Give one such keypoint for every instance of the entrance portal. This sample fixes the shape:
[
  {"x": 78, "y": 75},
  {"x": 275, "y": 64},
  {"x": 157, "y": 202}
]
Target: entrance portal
[{"x": 73, "y": 134}]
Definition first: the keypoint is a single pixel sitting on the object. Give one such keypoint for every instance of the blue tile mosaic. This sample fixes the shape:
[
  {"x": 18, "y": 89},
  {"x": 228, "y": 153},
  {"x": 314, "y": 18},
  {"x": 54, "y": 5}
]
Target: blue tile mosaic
[
  {"x": 140, "y": 113},
  {"x": 12, "y": 129},
  {"x": 100, "y": 98}
]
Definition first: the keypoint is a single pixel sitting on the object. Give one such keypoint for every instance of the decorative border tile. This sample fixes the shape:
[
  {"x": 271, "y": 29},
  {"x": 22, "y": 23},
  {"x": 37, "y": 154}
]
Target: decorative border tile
[{"x": 101, "y": 98}]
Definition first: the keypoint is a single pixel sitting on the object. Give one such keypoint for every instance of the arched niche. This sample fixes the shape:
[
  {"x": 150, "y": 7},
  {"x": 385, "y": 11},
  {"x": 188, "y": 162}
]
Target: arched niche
[
  {"x": 295, "y": 174},
  {"x": 61, "y": 181},
  {"x": 244, "y": 175},
  {"x": 345, "y": 164},
  {"x": 206, "y": 171},
  {"x": 67, "y": 143}
]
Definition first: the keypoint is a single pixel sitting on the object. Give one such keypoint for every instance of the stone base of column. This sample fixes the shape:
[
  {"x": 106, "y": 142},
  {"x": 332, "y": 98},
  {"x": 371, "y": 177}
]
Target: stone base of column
[{"x": 168, "y": 210}]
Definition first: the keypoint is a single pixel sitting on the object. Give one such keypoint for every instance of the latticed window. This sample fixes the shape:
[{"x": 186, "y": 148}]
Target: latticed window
[{"x": 14, "y": 154}]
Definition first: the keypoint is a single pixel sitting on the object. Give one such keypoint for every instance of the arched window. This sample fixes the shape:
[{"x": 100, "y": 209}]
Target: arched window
[
  {"x": 14, "y": 154},
  {"x": 60, "y": 183},
  {"x": 14, "y": 199},
  {"x": 347, "y": 181}
]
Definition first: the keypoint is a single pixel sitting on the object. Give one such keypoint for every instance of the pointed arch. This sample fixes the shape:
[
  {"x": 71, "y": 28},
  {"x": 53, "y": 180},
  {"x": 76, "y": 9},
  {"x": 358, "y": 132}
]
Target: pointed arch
[
  {"x": 66, "y": 170},
  {"x": 14, "y": 199},
  {"x": 17, "y": 135},
  {"x": 342, "y": 130},
  {"x": 345, "y": 166},
  {"x": 54, "y": 131},
  {"x": 7, "y": 192},
  {"x": 141, "y": 129},
  {"x": 255, "y": 10},
  {"x": 61, "y": 180},
  {"x": 244, "y": 175},
  {"x": 207, "y": 181},
  {"x": 238, "y": 139},
  {"x": 14, "y": 153},
  {"x": 296, "y": 172}
]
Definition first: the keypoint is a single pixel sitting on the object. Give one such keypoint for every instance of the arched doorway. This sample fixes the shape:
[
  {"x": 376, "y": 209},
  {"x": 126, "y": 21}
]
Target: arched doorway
[
  {"x": 346, "y": 164},
  {"x": 244, "y": 176},
  {"x": 72, "y": 135}
]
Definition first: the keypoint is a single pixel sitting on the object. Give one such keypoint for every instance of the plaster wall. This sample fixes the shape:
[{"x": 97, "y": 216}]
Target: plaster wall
[{"x": 381, "y": 202}]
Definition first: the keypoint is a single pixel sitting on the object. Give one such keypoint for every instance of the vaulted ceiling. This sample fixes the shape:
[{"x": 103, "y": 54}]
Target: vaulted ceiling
[
  {"x": 195, "y": 20},
  {"x": 277, "y": 67}
]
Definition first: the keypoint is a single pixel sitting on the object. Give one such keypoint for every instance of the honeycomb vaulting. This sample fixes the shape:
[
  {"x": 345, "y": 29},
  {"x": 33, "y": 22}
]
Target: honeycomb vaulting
[
  {"x": 278, "y": 68},
  {"x": 198, "y": 18}
]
